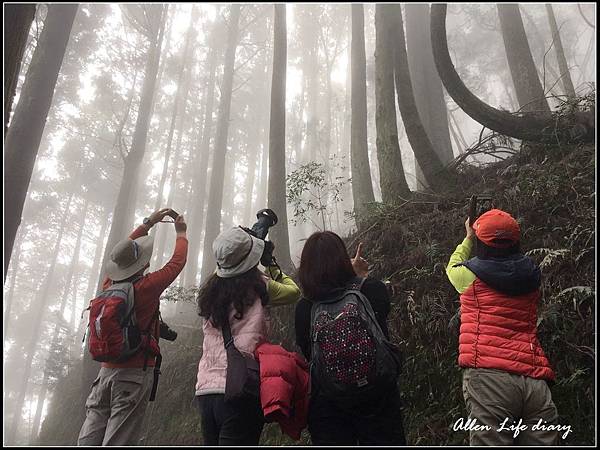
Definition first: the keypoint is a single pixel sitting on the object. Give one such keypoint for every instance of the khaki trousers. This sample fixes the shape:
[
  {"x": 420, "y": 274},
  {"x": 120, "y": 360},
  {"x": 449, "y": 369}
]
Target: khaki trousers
[
  {"x": 115, "y": 408},
  {"x": 493, "y": 396}
]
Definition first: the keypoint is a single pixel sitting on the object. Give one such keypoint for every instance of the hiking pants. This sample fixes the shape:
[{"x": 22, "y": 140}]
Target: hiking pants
[
  {"x": 492, "y": 396},
  {"x": 229, "y": 424},
  {"x": 115, "y": 408},
  {"x": 328, "y": 425}
]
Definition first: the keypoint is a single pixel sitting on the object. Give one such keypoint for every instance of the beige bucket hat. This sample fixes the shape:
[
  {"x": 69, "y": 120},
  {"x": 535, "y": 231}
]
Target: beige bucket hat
[
  {"x": 236, "y": 252},
  {"x": 129, "y": 257}
]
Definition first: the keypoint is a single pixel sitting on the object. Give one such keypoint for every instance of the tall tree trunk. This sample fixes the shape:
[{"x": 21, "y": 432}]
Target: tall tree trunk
[
  {"x": 392, "y": 179},
  {"x": 529, "y": 90},
  {"x": 17, "y": 21},
  {"x": 425, "y": 154},
  {"x": 527, "y": 126},
  {"x": 8, "y": 300},
  {"x": 125, "y": 207},
  {"x": 311, "y": 73},
  {"x": 95, "y": 269},
  {"x": 196, "y": 220},
  {"x": 362, "y": 188},
  {"x": 173, "y": 182},
  {"x": 565, "y": 74},
  {"x": 176, "y": 105},
  {"x": 261, "y": 197},
  {"x": 215, "y": 196},
  {"x": 276, "y": 195},
  {"x": 124, "y": 211},
  {"x": 38, "y": 308},
  {"x": 426, "y": 83},
  {"x": 56, "y": 333},
  {"x": 24, "y": 135}
]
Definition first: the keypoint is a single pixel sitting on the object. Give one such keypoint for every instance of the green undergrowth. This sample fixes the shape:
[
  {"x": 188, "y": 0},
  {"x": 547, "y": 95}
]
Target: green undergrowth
[{"x": 549, "y": 190}]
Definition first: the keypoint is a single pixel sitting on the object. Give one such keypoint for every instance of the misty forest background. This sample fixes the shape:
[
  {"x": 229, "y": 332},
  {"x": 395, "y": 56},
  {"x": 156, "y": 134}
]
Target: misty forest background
[{"x": 374, "y": 121}]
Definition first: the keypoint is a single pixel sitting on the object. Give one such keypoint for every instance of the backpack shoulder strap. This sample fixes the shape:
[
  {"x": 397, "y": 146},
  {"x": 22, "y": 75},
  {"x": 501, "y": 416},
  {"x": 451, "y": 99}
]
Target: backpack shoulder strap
[
  {"x": 366, "y": 304},
  {"x": 227, "y": 338}
]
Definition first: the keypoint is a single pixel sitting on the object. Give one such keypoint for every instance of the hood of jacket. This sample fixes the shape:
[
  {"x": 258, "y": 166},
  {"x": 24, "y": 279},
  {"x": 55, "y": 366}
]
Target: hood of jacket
[{"x": 513, "y": 275}]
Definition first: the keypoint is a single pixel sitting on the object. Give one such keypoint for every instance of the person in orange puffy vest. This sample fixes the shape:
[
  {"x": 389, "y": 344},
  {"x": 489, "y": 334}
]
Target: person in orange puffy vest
[{"x": 506, "y": 373}]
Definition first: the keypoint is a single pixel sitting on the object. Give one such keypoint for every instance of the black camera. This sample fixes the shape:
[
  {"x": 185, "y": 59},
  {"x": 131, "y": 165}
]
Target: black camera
[
  {"x": 266, "y": 219},
  {"x": 166, "y": 332},
  {"x": 478, "y": 205}
]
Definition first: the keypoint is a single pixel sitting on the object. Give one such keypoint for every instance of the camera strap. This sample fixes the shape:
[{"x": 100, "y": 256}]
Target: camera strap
[{"x": 155, "y": 380}]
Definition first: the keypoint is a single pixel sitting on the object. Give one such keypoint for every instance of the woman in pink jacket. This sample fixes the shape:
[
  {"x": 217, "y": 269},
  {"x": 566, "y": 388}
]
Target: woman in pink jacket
[{"x": 240, "y": 293}]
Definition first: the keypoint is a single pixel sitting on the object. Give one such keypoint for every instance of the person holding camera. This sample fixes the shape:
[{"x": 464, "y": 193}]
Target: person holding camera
[
  {"x": 235, "y": 300},
  {"x": 506, "y": 374},
  {"x": 117, "y": 403}
]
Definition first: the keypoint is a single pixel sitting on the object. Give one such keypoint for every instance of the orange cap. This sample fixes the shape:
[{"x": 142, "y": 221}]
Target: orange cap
[{"x": 497, "y": 228}]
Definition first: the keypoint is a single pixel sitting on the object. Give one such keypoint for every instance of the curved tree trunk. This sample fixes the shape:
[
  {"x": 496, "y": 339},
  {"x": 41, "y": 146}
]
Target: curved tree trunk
[
  {"x": 427, "y": 86},
  {"x": 392, "y": 179},
  {"x": 276, "y": 193},
  {"x": 526, "y": 126},
  {"x": 362, "y": 187},
  {"x": 530, "y": 93},
  {"x": 17, "y": 21},
  {"x": 565, "y": 74},
  {"x": 25, "y": 133},
  {"x": 215, "y": 196},
  {"x": 425, "y": 154}
]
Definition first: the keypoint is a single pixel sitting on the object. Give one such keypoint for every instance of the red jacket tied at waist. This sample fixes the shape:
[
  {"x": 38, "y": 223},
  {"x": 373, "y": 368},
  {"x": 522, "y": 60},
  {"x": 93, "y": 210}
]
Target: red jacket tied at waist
[{"x": 284, "y": 388}]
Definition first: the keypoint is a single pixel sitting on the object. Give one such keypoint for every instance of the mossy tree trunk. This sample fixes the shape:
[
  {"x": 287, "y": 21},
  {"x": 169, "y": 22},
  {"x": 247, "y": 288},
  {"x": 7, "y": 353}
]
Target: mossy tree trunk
[
  {"x": 392, "y": 179},
  {"x": 276, "y": 189},
  {"x": 530, "y": 93},
  {"x": 565, "y": 74},
  {"x": 427, "y": 87},
  {"x": 362, "y": 187},
  {"x": 425, "y": 154}
]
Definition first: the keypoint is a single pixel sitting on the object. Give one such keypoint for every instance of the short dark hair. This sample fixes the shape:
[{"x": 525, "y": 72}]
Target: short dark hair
[
  {"x": 484, "y": 251},
  {"x": 217, "y": 294},
  {"x": 324, "y": 265}
]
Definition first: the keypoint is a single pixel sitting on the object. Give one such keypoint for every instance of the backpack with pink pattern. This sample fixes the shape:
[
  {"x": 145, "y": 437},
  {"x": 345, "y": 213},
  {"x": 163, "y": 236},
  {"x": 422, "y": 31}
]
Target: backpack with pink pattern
[{"x": 352, "y": 361}]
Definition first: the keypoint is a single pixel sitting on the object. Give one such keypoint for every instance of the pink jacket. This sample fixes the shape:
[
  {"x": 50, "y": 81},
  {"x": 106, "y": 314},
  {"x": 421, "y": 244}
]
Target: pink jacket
[{"x": 247, "y": 334}]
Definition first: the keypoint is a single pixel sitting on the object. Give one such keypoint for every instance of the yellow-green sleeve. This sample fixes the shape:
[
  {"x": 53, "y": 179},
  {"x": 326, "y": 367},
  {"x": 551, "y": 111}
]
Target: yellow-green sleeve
[
  {"x": 461, "y": 277},
  {"x": 284, "y": 291}
]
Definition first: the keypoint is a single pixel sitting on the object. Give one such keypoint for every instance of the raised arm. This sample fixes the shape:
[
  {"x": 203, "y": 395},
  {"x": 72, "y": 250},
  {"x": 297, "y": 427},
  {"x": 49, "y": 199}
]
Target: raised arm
[
  {"x": 284, "y": 291},
  {"x": 461, "y": 277}
]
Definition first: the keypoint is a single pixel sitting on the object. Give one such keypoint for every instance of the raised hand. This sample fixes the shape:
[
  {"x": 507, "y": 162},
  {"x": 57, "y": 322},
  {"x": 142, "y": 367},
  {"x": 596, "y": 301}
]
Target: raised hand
[
  {"x": 180, "y": 225},
  {"x": 158, "y": 215},
  {"x": 360, "y": 265},
  {"x": 469, "y": 229}
]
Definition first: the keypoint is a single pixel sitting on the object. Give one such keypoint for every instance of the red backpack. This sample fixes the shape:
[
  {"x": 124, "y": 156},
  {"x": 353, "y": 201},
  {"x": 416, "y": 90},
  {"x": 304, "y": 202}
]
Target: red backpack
[{"x": 113, "y": 332}]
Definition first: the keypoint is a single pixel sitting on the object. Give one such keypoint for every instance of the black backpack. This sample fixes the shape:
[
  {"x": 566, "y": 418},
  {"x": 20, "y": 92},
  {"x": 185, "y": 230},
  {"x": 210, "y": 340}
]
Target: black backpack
[{"x": 352, "y": 361}]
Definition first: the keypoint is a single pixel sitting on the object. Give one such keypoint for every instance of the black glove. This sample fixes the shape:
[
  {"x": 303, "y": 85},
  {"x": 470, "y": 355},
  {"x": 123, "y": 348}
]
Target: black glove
[{"x": 267, "y": 256}]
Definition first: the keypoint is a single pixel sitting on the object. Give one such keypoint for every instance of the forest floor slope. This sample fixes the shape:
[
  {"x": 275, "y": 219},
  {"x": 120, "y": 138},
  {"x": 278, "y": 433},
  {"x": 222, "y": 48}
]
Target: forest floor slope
[{"x": 549, "y": 189}]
